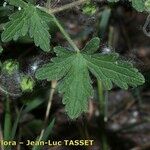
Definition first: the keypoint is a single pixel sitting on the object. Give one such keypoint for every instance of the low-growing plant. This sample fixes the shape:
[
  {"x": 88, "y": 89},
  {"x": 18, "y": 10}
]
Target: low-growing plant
[{"x": 72, "y": 70}]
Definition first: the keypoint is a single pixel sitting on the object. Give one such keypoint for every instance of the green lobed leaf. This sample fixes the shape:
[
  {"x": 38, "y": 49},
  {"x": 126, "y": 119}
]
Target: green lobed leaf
[
  {"x": 28, "y": 20},
  {"x": 72, "y": 69},
  {"x": 76, "y": 87},
  {"x": 109, "y": 69},
  {"x": 138, "y": 5},
  {"x": 59, "y": 68}
]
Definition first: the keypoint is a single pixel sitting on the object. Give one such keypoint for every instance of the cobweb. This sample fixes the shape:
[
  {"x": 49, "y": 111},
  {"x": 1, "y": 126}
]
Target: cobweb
[{"x": 10, "y": 84}]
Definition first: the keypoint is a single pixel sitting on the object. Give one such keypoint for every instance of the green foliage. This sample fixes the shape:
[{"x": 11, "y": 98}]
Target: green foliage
[
  {"x": 46, "y": 134},
  {"x": 26, "y": 83},
  {"x": 104, "y": 21},
  {"x": 23, "y": 83},
  {"x": 92, "y": 46},
  {"x": 138, "y": 5},
  {"x": 147, "y": 5},
  {"x": 29, "y": 20},
  {"x": 10, "y": 66},
  {"x": 31, "y": 105},
  {"x": 15, "y": 124},
  {"x": 89, "y": 8},
  {"x": 72, "y": 69}
]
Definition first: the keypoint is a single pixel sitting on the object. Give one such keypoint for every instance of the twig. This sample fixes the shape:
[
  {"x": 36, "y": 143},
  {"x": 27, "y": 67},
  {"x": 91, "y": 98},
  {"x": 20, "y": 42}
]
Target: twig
[
  {"x": 53, "y": 86},
  {"x": 67, "y": 6}
]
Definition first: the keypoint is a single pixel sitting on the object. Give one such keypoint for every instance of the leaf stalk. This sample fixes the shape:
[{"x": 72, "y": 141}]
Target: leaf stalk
[
  {"x": 53, "y": 86},
  {"x": 67, "y": 6},
  {"x": 66, "y": 35}
]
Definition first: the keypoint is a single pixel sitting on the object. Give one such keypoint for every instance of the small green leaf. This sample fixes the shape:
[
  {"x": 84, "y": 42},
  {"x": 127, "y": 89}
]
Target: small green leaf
[
  {"x": 32, "y": 105},
  {"x": 28, "y": 20},
  {"x": 10, "y": 66},
  {"x": 26, "y": 83},
  {"x": 72, "y": 69},
  {"x": 92, "y": 46},
  {"x": 138, "y": 5},
  {"x": 104, "y": 22},
  {"x": 89, "y": 8}
]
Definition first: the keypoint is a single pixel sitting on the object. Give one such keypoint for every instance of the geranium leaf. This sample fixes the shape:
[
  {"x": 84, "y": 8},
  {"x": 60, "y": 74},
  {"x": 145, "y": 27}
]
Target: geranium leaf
[
  {"x": 72, "y": 70},
  {"x": 30, "y": 21}
]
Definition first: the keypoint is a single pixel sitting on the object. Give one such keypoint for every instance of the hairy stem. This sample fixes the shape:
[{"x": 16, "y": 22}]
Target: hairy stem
[
  {"x": 66, "y": 35},
  {"x": 101, "y": 97},
  {"x": 105, "y": 145},
  {"x": 62, "y": 8},
  {"x": 67, "y": 6},
  {"x": 53, "y": 86}
]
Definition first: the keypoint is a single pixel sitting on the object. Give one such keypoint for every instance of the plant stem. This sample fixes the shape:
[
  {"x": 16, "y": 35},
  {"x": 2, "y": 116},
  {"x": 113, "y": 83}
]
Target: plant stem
[
  {"x": 67, "y": 6},
  {"x": 105, "y": 145},
  {"x": 7, "y": 122},
  {"x": 101, "y": 97},
  {"x": 53, "y": 86},
  {"x": 66, "y": 35},
  {"x": 103, "y": 100}
]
